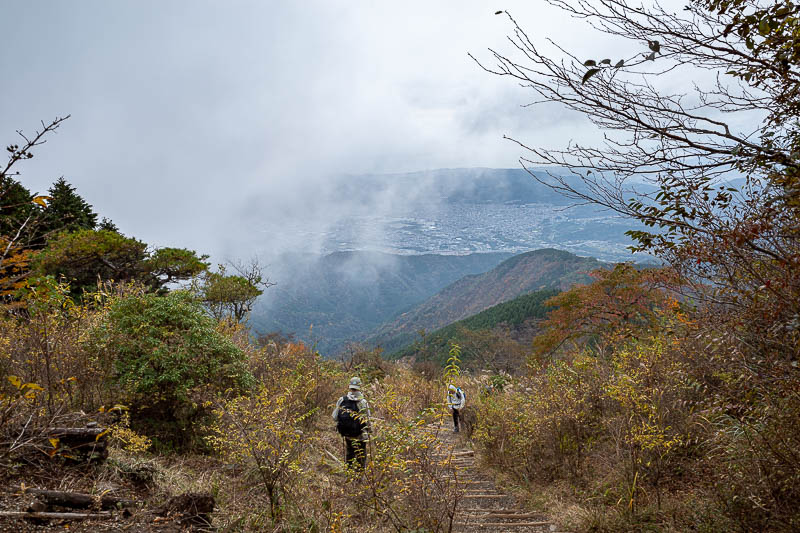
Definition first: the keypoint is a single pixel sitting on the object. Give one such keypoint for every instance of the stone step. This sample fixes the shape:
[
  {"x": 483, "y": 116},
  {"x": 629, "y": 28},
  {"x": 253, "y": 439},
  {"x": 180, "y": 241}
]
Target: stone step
[
  {"x": 487, "y": 513},
  {"x": 485, "y": 510},
  {"x": 489, "y": 509},
  {"x": 468, "y": 453},
  {"x": 502, "y": 524}
]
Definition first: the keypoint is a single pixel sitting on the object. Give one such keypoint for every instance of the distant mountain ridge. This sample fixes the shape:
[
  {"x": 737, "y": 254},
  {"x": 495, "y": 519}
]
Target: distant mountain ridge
[
  {"x": 462, "y": 186},
  {"x": 521, "y": 274},
  {"x": 345, "y": 295},
  {"x": 395, "y": 240}
]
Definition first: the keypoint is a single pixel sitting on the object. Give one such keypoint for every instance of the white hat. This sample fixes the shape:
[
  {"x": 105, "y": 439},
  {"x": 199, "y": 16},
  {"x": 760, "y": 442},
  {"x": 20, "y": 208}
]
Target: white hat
[{"x": 355, "y": 383}]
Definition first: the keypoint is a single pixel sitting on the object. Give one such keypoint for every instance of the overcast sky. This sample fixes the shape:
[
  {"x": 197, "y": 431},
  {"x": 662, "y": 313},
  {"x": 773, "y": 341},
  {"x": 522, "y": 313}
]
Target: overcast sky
[{"x": 192, "y": 121}]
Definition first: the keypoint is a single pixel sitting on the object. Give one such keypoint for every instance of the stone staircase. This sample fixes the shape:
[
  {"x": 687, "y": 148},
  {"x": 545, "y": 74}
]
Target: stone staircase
[{"x": 482, "y": 505}]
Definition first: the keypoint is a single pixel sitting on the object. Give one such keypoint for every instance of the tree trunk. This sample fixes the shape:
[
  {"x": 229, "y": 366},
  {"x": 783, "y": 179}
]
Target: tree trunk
[{"x": 79, "y": 499}]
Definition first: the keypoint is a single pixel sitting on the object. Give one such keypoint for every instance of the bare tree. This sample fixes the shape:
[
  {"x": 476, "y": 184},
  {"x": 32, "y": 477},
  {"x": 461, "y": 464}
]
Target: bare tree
[
  {"x": 743, "y": 239},
  {"x": 19, "y": 210},
  {"x": 735, "y": 247}
]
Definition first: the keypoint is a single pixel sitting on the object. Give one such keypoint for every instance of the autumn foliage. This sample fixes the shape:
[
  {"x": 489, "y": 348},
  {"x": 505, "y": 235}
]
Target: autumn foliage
[
  {"x": 645, "y": 398},
  {"x": 652, "y": 399}
]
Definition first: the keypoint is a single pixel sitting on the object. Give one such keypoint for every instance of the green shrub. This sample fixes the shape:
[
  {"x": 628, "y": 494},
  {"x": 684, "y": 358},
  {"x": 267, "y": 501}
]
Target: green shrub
[{"x": 169, "y": 357}]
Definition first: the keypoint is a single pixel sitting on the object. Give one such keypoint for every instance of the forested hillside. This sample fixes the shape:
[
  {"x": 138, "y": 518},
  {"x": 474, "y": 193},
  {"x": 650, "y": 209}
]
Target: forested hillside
[
  {"x": 521, "y": 274},
  {"x": 345, "y": 295},
  {"x": 494, "y": 339}
]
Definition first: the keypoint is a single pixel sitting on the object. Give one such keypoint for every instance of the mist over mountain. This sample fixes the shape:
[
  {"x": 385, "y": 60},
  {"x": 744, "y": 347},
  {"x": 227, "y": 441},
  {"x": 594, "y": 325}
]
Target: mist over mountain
[
  {"x": 456, "y": 186},
  {"x": 344, "y": 295},
  {"x": 374, "y": 246},
  {"x": 445, "y": 211}
]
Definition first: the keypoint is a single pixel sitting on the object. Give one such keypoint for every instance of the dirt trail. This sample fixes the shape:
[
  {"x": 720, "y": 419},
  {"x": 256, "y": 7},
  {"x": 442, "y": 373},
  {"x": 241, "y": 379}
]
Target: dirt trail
[{"x": 484, "y": 506}]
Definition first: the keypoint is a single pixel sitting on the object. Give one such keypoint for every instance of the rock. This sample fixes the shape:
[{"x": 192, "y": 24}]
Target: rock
[{"x": 193, "y": 508}]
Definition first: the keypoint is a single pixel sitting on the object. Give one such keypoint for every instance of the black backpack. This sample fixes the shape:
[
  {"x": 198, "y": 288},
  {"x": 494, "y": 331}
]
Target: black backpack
[{"x": 348, "y": 422}]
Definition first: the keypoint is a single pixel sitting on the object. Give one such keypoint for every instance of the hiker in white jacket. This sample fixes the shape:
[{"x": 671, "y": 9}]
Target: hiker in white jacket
[{"x": 455, "y": 401}]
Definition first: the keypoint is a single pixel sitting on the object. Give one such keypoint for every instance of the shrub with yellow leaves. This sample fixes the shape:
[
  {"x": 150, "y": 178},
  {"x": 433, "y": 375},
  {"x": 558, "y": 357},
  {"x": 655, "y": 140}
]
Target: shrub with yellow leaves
[
  {"x": 544, "y": 423},
  {"x": 647, "y": 387},
  {"x": 121, "y": 433},
  {"x": 48, "y": 345},
  {"x": 633, "y": 408},
  {"x": 23, "y": 420},
  {"x": 263, "y": 432}
]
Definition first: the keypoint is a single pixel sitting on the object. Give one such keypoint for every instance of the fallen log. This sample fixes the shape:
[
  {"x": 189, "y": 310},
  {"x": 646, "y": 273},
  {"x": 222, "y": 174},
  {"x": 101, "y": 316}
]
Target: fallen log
[
  {"x": 54, "y": 516},
  {"x": 79, "y": 499},
  {"x": 79, "y": 444},
  {"x": 87, "y": 433}
]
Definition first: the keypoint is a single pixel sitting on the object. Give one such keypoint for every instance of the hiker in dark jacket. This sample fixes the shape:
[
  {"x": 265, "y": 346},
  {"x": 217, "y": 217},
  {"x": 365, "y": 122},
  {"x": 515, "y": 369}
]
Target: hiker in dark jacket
[{"x": 352, "y": 422}]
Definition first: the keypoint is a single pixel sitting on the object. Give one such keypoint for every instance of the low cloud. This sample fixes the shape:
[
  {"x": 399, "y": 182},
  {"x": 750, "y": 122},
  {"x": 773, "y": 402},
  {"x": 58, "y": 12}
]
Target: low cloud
[{"x": 227, "y": 127}]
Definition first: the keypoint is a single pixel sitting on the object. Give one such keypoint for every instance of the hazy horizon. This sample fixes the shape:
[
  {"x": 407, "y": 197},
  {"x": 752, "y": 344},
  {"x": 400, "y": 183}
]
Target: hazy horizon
[{"x": 203, "y": 125}]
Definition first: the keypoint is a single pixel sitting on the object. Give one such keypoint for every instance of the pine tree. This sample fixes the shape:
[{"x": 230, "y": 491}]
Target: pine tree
[
  {"x": 107, "y": 225},
  {"x": 15, "y": 205},
  {"x": 67, "y": 211}
]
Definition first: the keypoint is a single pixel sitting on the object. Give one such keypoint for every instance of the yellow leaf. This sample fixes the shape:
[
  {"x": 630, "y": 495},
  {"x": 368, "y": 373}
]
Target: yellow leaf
[
  {"x": 102, "y": 434},
  {"x": 54, "y": 442},
  {"x": 32, "y": 386},
  {"x": 15, "y": 381},
  {"x": 42, "y": 200}
]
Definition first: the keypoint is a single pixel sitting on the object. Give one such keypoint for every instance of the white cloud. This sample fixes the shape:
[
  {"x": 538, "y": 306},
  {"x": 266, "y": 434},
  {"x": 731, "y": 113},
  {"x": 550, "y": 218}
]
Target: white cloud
[{"x": 199, "y": 123}]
